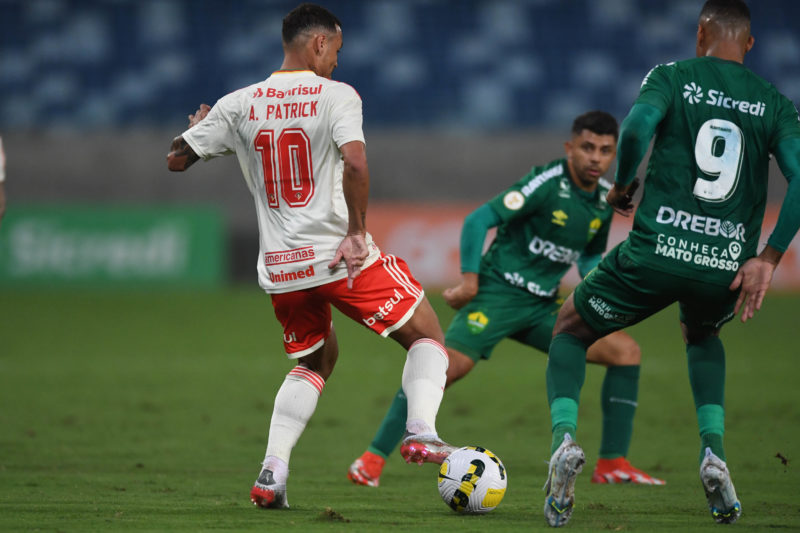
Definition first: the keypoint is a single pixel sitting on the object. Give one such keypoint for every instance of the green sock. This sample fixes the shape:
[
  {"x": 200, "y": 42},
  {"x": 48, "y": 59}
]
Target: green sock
[
  {"x": 566, "y": 368},
  {"x": 566, "y": 372},
  {"x": 711, "y": 421},
  {"x": 618, "y": 399},
  {"x": 707, "y": 378},
  {"x": 393, "y": 427},
  {"x": 564, "y": 419}
]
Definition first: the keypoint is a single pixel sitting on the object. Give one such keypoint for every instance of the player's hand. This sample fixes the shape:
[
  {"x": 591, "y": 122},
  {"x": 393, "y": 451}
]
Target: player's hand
[
  {"x": 460, "y": 295},
  {"x": 753, "y": 277},
  {"x": 621, "y": 198},
  {"x": 353, "y": 251},
  {"x": 199, "y": 115}
]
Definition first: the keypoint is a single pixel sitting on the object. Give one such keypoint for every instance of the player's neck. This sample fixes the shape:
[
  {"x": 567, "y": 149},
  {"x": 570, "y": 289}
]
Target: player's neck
[
  {"x": 728, "y": 50},
  {"x": 586, "y": 186},
  {"x": 293, "y": 61}
]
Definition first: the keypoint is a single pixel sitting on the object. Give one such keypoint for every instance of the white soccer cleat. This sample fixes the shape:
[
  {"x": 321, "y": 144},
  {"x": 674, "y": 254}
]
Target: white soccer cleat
[
  {"x": 268, "y": 494},
  {"x": 722, "y": 500},
  {"x": 565, "y": 465}
]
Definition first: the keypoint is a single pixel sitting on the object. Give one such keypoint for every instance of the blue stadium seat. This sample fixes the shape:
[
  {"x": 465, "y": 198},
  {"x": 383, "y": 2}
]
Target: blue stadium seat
[{"x": 454, "y": 64}]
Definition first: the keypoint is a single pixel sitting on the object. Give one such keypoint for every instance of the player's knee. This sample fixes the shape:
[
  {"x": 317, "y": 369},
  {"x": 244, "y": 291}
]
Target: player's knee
[
  {"x": 629, "y": 353},
  {"x": 626, "y": 350},
  {"x": 693, "y": 335},
  {"x": 424, "y": 324},
  {"x": 323, "y": 360},
  {"x": 617, "y": 349}
]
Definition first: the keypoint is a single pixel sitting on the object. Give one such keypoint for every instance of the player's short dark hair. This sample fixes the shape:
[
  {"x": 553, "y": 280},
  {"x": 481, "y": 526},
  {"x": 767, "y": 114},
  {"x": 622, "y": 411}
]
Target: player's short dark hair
[
  {"x": 726, "y": 12},
  {"x": 598, "y": 122},
  {"x": 305, "y": 17}
]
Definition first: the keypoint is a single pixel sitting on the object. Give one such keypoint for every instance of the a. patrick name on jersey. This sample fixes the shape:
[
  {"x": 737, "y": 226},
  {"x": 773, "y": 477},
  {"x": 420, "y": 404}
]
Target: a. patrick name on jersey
[{"x": 285, "y": 110}]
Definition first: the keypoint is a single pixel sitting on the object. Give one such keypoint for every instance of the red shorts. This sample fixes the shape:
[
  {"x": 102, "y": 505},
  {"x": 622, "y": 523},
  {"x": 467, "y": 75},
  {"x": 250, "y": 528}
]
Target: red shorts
[{"x": 383, "y": 298}]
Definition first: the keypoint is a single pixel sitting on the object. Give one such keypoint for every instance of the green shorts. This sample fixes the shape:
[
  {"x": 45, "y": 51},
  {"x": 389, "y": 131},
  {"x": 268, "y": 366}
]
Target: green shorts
[
  {"x": 620, "y": 293},
  {"x": 499, "y": 311}
]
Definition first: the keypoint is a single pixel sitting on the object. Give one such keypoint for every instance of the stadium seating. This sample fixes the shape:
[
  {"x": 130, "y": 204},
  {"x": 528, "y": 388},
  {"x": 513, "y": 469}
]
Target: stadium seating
[{"x": 451, "y": 64}]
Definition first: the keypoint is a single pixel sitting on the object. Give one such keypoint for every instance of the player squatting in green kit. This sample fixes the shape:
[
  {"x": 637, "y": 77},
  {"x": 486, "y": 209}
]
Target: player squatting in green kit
[
  {"x": 552, "y": 218},
  {"x": 695, "y": 234}
]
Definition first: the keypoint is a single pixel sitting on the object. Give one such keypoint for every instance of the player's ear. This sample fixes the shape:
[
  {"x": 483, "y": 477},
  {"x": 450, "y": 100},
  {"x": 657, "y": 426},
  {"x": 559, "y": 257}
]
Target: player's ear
[
  {"x": 701, "y": 37},
  {"x": 568, "y": 148},
  {"x": 750, "y": 42},
  {"x": 318, "y": 43}
]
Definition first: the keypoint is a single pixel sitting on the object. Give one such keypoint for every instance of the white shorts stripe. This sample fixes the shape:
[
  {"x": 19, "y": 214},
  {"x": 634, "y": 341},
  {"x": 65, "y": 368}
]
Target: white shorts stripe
[
  {"x": 390, "y": 265},
  {"x": 412, "y": 288}
]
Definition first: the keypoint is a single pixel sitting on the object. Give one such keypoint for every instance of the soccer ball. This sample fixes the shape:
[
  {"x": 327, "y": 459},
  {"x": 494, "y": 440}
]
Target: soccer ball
[{"x": 472, "y": 480}]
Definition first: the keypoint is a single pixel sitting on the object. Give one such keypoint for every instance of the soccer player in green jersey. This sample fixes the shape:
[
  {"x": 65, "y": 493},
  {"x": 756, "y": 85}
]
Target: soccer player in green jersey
[
  {"x": 694, "y": 237},
  {"x": 551, "y": 218}
]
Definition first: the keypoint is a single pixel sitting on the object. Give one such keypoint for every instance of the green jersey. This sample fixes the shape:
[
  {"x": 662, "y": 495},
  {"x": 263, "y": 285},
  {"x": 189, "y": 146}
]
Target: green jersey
[
  {"x": 547, "y": 223},
  {"x": 706, "y": 183}
]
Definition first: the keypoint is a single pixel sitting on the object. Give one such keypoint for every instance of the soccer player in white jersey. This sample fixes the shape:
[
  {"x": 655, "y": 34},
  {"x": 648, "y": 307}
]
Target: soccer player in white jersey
[{"x": 300, "y": 145}]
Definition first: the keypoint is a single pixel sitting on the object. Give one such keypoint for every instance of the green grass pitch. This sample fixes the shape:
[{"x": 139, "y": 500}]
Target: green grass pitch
[{"x": 131, "y": 411}]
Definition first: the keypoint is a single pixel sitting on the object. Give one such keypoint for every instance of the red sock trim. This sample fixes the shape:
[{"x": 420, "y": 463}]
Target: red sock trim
[
  {"x": 436, "y": 344},
  {"x": 309, "y": 375}
]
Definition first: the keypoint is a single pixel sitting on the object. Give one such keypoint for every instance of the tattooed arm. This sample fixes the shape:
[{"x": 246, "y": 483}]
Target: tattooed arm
[{"x": 181, "y": 155}]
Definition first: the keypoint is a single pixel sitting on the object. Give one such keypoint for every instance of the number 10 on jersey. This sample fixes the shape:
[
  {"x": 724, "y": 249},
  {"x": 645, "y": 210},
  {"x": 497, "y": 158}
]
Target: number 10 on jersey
[{"x": 293, "y": 174}]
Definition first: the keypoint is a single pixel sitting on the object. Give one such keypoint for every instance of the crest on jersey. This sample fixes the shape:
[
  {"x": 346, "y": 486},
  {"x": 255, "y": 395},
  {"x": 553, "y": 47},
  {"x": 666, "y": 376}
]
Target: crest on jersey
[
  {"x": 477, "y": 321},
  {"x": 692, "y": 92},
  {"x": 564, "y": 188},
  {"x": 594, "y": 225}
]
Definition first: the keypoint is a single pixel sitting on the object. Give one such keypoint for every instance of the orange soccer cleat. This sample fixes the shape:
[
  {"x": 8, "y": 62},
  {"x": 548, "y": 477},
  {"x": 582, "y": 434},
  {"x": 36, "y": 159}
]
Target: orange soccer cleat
[
  {"x": 619, "y": 470},
  {"x": 366, "y": 470}
]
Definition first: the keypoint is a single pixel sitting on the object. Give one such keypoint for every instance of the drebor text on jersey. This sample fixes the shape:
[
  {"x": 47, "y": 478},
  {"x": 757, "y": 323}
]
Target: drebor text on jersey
[{"x": 700, "y": 224}]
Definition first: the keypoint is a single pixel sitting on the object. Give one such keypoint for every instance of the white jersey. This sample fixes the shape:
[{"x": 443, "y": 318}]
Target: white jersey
[{"x": 286, "y": 132}]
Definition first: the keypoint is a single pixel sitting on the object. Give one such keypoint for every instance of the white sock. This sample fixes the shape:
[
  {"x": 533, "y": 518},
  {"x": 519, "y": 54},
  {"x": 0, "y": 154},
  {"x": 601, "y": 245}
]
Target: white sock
[
  {"x": 294, "y": 404},
  {"x": 424, "y": 377},
  {"x": 278, "y": 467}
]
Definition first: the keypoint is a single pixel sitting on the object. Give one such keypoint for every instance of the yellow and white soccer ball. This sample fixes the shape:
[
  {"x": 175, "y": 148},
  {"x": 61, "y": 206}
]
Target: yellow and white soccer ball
[{"x": 472, "y": 480}]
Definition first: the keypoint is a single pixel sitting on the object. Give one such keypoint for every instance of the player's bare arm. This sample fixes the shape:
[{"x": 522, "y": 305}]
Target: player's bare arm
[
  {"x": 460, "y": 295},
  {"x": 754, "y": 277},
  {"x": 355, "y": 184},
  {"x": 621, "y": 198},
  {"x": 181, "y": 155}
]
